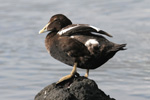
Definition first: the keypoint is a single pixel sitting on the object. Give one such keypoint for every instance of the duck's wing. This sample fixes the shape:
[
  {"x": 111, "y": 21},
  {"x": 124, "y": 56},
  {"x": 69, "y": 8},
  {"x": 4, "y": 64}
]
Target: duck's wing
[
  {"x": 72, "y": 47},
  {"x": 80, "y": 28}
]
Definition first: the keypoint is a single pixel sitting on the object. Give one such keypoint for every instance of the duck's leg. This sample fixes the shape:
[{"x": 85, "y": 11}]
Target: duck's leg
[
  {"x": 73, "y": 72},
  {"x": 87, "y": 73}
]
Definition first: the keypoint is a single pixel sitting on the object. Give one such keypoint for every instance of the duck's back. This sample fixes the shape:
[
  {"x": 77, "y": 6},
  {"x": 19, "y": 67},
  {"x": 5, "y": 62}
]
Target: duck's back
[{"x": 100, "y": 48}]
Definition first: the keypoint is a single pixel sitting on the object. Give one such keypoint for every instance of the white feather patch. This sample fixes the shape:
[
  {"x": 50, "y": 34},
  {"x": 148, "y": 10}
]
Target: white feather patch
[
  {"x": 65, "y": 30},
  {"x": 91, "y": 42},
  {"x": 97, "y": 29},
  {"x": 72, "y": 36}
]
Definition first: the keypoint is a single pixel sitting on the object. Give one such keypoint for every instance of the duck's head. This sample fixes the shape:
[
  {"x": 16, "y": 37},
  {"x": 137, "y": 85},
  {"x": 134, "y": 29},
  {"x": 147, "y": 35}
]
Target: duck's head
[{"x": 56, "y": 23}]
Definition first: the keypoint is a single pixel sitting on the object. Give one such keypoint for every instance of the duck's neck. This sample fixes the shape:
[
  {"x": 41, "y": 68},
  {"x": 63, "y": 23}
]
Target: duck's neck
[
  {"x": 49, "y": 40},
  {"x": 51, "y": 34}
]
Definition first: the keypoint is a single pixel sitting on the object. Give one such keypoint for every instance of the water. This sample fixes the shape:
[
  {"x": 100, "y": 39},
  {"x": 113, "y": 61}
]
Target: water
[{"x": 26, "y": 67}]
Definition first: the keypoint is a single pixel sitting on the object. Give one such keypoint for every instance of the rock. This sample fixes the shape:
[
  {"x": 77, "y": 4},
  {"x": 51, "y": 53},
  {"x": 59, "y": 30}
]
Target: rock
[{"x": 76, "y": 88}]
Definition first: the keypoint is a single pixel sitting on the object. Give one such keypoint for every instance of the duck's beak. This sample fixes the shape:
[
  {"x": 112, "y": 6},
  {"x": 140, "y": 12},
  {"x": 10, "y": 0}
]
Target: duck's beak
[{"x": 44, "y": 29}]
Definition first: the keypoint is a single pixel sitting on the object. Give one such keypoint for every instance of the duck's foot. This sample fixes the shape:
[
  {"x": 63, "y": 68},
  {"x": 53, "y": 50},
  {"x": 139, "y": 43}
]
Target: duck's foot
[
  {"x": 87, "y": 73},
  {"x": 65, "y": 78},
  {"x": 73, "y": 73}
]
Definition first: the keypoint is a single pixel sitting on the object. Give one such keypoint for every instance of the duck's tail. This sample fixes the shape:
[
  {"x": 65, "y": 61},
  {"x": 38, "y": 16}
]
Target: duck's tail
[
  {"x": 118, "y": 47},
  {"x": 121, "y": 47}
]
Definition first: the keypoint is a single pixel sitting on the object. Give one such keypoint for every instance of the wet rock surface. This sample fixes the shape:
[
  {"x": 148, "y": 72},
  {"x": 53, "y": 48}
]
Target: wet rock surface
[{"x": 76, "y": 88}]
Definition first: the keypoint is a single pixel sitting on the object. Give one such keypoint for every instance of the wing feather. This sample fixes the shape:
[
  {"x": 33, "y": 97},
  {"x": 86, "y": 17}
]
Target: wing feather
[{"x": 80, "y": 28}]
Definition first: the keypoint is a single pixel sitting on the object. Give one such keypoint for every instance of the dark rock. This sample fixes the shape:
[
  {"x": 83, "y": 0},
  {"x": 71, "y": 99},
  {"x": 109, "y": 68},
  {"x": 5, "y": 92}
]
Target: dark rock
[{"x": 77, "y": 88}]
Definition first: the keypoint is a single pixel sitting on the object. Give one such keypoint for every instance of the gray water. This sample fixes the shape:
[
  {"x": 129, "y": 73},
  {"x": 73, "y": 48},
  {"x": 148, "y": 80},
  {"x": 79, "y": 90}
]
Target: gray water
[{"x": 26, "y": 67}]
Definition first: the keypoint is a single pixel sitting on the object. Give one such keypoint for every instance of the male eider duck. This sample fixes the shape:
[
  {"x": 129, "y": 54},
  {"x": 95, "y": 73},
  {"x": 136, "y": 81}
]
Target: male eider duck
[{"x": 78, "y": 45}]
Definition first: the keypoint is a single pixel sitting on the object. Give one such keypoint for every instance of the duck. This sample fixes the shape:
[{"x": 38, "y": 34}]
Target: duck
[{"x": 78, "y": 45}]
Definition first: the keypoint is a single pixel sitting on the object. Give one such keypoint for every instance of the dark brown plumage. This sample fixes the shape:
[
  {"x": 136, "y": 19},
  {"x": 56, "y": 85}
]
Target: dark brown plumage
[{"x": 75, "y": 44}]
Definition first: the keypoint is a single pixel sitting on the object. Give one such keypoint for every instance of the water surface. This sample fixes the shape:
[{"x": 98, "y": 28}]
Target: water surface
[{"x": 26, "y": 67}]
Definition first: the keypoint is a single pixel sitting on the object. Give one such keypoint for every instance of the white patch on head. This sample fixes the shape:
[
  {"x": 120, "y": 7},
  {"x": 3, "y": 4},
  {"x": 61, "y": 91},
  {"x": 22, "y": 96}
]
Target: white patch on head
[
  {"x": 66, "y": 29},
  {"x": 97, "y": 29},
  {"x": 91, "y": 42}
]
